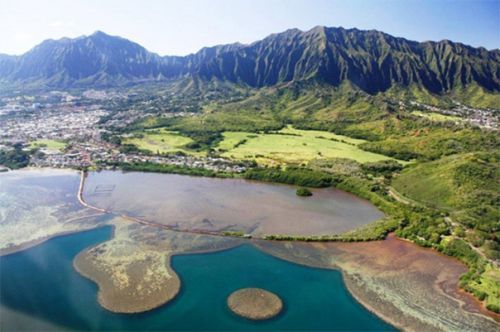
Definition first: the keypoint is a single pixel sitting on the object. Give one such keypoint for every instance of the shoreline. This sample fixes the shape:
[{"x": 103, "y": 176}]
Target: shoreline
[
  {"x": 484, "y": 312},
  {"x": 350, "y": 285},
  {"x": 34, "y": 243},
  {"x": 361, "y": 296},
  {"x": 359, "y": 283}
]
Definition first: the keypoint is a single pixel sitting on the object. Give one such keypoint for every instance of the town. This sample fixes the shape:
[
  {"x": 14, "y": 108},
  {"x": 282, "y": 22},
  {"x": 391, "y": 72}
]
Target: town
[
  {"x": 66, "y": 130},
  {"x": 77, "y": 125},
  {"x": 483, "y": 118}
]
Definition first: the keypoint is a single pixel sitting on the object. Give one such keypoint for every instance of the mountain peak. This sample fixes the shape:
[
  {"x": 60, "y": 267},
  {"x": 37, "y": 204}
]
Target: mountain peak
[
  {"x": 320, "y": 28},
  {"x": 102, "y": 36},
  {"x": 99, "y": 33}
]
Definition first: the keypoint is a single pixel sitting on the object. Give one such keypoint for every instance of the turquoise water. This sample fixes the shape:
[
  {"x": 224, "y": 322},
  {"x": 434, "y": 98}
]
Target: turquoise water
[{"x": 41, "y": 282}]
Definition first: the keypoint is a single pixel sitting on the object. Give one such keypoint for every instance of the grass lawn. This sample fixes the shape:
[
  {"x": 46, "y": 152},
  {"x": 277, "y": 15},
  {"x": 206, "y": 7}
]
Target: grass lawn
[
  {"x": 293, "y": 146},
  {"x": 49, "y": 144},
  {"x": 160, "y": 140},
  {"x": 321, "y": 135},
  {"x": 438, "y": 117}
]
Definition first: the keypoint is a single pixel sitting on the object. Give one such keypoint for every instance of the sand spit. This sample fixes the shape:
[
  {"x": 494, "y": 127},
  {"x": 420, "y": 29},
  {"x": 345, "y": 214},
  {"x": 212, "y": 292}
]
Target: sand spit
[
  {"x": 412, "y": 288},
  {"x": 133, "y": 269},
  {"x": 254, "y": 303}
]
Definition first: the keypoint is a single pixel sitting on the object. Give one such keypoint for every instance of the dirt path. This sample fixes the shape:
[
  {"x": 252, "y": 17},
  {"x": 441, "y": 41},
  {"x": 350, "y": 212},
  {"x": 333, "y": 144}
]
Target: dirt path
[{"x": 400, "y": 198}]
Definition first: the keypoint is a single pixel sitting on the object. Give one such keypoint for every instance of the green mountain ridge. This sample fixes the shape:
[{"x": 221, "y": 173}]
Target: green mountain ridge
[{"x": 371, "y": 61}]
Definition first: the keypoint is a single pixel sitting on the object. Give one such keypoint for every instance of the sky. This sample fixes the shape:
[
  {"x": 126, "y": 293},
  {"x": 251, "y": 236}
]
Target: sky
[{"x": 180, "y": 27}]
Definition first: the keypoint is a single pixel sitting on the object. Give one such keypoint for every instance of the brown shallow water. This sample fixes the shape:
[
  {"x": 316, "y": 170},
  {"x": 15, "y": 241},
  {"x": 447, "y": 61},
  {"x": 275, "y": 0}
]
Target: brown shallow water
[
  {"x": 217, "y": 205},
  {"x": 409, "y": 286}
]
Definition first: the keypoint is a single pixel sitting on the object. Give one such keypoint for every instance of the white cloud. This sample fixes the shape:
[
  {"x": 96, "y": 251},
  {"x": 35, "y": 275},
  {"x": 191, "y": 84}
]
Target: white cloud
[
  {"x": 62, "y": 24},
  {"x": 21, "y": 36}
]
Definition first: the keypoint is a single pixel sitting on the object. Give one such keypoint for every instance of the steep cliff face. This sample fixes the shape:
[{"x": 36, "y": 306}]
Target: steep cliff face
[{"x": 371, "y": 60}]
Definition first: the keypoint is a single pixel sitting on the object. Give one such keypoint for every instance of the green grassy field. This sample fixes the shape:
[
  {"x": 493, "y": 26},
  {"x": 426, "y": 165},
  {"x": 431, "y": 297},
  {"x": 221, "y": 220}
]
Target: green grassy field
[
  {"x": 430, "y": 183},
  {"x": 293, "y": 146},
  {"x": 432, "y": 142},
  {"x": 49, "y": 144},
  {"x": 313, "y": 134},
  {"x": 440, "y": 183},
  {"x": 159, "y": 140},
  {"x": 437, "y": 117}
]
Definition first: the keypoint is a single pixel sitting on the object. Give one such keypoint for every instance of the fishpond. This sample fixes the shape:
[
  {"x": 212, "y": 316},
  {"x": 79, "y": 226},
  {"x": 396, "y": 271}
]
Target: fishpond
[{"x": 197, "y": 203}]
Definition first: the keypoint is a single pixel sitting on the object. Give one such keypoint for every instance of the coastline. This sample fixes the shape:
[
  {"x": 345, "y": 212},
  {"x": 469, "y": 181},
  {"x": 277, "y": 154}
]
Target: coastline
[
  {"x": 34, "y": 243},
  {"x": 361, "y": 297},
  {"x": 360, "y": 293},
  {"x": 351, "y": 285},
  {"x": 398, "y": 318},
  {"x": 388, "y": 286}
]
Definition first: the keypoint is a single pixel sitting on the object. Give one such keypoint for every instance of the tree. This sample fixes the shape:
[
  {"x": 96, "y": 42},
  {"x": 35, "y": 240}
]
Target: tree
[{"x": 303, "y": 192}]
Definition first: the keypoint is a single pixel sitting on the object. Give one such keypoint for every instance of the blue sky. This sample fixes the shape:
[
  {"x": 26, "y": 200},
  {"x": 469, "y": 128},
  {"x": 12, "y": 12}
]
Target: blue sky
[{"x": 182, "y": 27}]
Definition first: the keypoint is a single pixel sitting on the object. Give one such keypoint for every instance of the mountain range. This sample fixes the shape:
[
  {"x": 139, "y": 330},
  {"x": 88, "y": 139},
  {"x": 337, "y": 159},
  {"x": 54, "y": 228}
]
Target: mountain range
[{"x": 372, "y": 61}]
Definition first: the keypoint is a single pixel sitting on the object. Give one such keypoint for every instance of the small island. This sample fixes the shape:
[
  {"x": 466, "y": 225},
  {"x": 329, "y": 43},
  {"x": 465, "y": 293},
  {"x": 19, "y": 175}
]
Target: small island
[
  {"x": 255, "y": 303},
  {"x": 303, "y": 192}
]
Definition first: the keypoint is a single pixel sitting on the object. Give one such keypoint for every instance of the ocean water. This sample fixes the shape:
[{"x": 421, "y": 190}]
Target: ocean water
[{"x": 39, "y": 289}]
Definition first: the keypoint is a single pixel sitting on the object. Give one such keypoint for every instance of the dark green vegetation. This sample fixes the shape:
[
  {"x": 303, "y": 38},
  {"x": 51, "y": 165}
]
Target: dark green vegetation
[
  {"x": 432, "y": 141},
  {"x": 385, "y": 167},
  {"x": 303, "y": 192},
  {"x": 291, "y": 175},
  {"x": 15, "y": 158},
  {"x": 464, "y": 188},
  {"x": 170, "y": 169}
]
